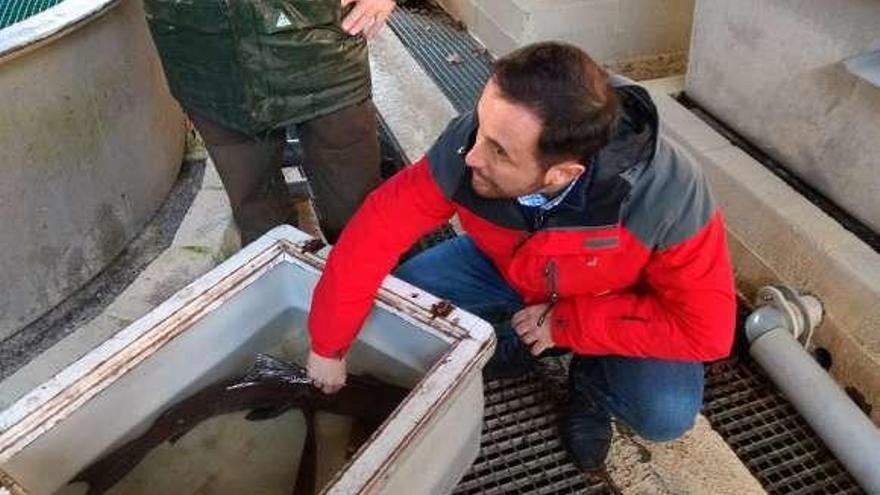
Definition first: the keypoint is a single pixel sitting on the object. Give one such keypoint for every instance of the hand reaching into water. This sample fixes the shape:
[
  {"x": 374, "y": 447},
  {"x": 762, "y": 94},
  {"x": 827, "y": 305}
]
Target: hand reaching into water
[
  {"x": 367, "y": 16},
  {"x": 328, "y": 374}
]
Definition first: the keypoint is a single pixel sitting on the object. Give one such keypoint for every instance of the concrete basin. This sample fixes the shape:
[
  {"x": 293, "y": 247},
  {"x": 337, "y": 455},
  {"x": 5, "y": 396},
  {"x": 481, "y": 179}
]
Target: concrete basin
[{"x": 90, "y": 145}]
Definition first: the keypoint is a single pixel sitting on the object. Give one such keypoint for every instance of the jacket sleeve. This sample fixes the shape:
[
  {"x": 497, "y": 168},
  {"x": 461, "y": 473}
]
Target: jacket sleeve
[
  {"x": 686, "y": 311},
  {"x": 390, "y": 220}
]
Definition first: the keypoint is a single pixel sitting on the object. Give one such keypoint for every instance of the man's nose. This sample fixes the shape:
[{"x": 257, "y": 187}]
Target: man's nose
[{"x": 473, "y": 158}]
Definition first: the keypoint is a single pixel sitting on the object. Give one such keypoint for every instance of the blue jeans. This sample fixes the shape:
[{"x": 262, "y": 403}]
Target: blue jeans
[{"x": 659, "y": 399}]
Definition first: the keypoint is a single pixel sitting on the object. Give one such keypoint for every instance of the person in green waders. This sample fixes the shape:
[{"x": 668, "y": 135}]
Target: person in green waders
[{"x": 244, "y": 70}]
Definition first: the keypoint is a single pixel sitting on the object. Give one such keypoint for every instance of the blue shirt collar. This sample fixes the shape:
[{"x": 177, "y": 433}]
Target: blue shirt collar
[{"x": 541, "y": 201}]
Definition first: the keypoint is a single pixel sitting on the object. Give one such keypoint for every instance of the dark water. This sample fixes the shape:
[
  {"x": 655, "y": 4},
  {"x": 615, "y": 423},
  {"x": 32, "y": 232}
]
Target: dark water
[{"x": 255, "y": 449}]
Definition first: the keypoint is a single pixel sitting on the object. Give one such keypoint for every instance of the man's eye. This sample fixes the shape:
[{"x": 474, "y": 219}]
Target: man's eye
[{"x": 500, "y": 151}]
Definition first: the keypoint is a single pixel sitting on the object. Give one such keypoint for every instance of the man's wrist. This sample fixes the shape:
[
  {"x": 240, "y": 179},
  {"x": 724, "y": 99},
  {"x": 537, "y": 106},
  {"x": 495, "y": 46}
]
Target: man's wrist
[{"x": 328, "y": 353}]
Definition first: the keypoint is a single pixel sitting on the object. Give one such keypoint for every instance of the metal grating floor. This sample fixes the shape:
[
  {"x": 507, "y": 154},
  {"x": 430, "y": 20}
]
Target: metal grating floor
[
  {"x": 521, "y": 451},
  {"x": 12, "y": 11},
  {"x": 768, "y": 435},
  {"x": 455, "y": 60}
]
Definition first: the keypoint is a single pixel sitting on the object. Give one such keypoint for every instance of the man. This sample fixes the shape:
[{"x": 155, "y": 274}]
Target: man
[
  {"x": 246, "y": 70},
  {"x": 586, "y": 231}
]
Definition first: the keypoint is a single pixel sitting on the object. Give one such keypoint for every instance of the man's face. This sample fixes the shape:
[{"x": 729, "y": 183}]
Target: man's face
[{"x": 503, "y": 159}]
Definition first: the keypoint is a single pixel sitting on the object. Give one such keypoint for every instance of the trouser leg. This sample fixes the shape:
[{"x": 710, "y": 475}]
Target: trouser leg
[
  {"x": 341, "y": 162},
  {"x": 250, "y": 168},
  {"x": 659, "y": 399},
  {"x": 456, "y": 270}
]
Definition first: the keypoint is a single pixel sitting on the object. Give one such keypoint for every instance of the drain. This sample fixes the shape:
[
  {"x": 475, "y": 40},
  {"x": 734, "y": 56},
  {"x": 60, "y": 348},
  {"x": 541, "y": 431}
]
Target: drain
[
  {"x": 768, "y": 435},
  {"x": 18, "y": 10},
  {"x": 521, "y": 451}
]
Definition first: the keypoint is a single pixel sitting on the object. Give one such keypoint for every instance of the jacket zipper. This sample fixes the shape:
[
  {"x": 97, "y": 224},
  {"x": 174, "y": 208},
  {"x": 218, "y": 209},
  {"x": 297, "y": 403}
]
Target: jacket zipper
[
  {"x": 550, "y": 271},
  {"x": 522, "y": 240},
  {"x": 551, "y": 274},
  {"x": 540, "y": 219}
]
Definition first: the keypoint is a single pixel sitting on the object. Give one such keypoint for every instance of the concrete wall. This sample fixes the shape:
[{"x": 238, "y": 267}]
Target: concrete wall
[
  {"x": 778, "y": 236},
  {"x": 771, "y": 70},
  {"x": 610, "y": 30},
  {"x": 90, "y": 144}
]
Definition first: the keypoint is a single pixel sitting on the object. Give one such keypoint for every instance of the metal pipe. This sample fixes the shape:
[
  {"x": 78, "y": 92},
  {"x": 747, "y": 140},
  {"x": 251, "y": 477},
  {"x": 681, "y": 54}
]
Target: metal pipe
[{"x": 772, "y": 331}]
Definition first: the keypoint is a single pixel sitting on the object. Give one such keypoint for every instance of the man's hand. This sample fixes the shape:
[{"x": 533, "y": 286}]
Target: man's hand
[
  {"x": 367, "y": 15},
  {"x": 327, "y": 374},
  {"x": 536, "y": 337}
]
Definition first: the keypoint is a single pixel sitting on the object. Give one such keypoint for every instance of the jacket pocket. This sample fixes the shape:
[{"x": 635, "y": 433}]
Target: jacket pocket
[
  {"x": 601, "y": 242},
  {"x": 298, "y": 61}
]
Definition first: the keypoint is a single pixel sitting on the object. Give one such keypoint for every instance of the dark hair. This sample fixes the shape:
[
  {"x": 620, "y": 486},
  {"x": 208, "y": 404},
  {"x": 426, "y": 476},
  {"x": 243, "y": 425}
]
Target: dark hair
[{"x": 569, "y": 93}]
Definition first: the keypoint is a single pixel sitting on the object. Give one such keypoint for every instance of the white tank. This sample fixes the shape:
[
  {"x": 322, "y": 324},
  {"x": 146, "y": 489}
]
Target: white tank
[{"x": 258, "y": 301}]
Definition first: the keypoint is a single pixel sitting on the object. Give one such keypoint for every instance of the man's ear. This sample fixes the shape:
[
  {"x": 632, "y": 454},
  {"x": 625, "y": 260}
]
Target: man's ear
[{"x": 561, "y": 174}]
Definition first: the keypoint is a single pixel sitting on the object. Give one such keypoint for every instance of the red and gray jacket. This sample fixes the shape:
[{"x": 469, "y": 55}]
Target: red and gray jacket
[{"x": 635, "y": 256}]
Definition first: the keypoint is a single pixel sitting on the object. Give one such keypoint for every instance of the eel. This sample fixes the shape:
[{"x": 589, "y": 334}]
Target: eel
[{"x": 269, "y": 388}]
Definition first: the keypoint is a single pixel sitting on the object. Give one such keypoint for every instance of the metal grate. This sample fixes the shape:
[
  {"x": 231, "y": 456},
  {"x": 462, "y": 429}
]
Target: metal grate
[
  {"x": 12, "y": 11},
  {"x": 521, "y": 451},
  {"x": 455, "y": 60},
  {"x": 768, "y": 435}
]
